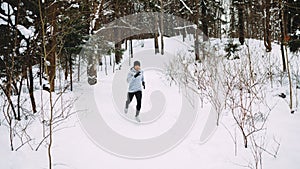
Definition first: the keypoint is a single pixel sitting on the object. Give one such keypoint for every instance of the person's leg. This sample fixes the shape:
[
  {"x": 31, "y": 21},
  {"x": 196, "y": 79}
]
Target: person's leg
[
  {"x": 138, "y": 96},
  {"x": 129, "y": 99}
]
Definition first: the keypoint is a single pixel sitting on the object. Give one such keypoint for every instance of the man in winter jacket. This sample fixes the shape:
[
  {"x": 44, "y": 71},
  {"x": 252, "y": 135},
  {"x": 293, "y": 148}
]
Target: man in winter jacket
[{"x": 135, "y": 79}]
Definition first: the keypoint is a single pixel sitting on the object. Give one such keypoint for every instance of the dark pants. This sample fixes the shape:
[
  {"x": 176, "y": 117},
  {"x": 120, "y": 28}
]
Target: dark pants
[{"x": 138, "y": 96}]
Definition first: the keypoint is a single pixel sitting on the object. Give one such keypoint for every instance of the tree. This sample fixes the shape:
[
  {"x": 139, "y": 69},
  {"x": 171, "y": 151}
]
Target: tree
[
  {"x": 267, "y": 27},
  {"x": 240, "y": 6},
  {"x": 162, "y": 26},
  {"x": 19, "y": 44},
  {"x": 72, "y": 26},
  {"x": 282, "y": 31}
]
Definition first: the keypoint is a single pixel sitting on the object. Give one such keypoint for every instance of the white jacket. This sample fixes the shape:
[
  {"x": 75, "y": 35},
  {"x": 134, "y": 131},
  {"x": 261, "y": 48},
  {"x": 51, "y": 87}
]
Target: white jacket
[{"x": 135, "y": 83}]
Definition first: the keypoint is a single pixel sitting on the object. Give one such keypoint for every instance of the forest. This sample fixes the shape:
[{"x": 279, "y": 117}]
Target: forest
[{"x": 51, "y": 34}]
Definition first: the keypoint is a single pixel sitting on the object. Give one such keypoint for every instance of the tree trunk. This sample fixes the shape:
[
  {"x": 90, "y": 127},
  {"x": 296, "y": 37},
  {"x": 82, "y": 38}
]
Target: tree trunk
[
  {"x": 7, "y": 92},
  {"x": 282, "y": 37},
  {"x": 19, "y": 98},
  {"x": 118, "y": 52},
  {"x": 197, "y": 46},
  {"x": 162, "y": 27},
  {"x": 204, "y": 20},
  {"x": 91, "y": 70},
  {"x": 241, "y": 22},
  {"x": 51, "y": 57},
  {"x": 30, "y": 86},
  {"x": 267, "y": 32},
  {"x": 78, "y": 68},
  {"x": 156, "y": 34},
  {"x": 131, "y": 48},
  {"x": 71, "y": 72},
  {"x": 232, "y": 22},
  {"x": 118, "y": 41},
  {"x": 286, "y": 56},
  {"x": 66, "y": 69},
  {"x": 41, "y": 67}
]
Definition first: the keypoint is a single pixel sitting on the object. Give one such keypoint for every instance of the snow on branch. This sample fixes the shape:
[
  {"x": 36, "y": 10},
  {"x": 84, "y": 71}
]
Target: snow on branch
[
  {"x": 187, "y": 26},
  {"x": 186, "y": 6}
]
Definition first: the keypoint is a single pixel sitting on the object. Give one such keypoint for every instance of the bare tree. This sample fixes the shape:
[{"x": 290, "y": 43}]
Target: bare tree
[
  {"x": 241, "y": 22},
  {"x": 162, "y": 27},
  {"x": 267, "y": 27},
  {"x": 203, "y": 78}
]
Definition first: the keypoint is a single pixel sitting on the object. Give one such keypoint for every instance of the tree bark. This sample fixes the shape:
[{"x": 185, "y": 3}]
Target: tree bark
[
  {"x": 156, "y": 34},
  {"x": 118, "y": 52},
  {"x": 282, "y": 22},
  {"x": 162, "y": 27},
  {"x": 78, "y": 68},
  {"x": 51, "y": 57},
  {"x": 30, "y": 86},
  {"x": 286, "y": 56},
  {"x": 204, "y": 20},
  {"x": 118, "y": 42},
  {"x": 71, "y": 72},
  {"x": 267, "y": 32},
  {"x": 131, "y": 48},
  {"x": 66, "y": 68},
  {"x": 232, "y": 21},
  {"x": 241, "y": 22}
]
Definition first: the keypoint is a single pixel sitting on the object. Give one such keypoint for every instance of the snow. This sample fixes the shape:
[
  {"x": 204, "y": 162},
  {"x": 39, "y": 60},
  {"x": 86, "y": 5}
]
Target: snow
[
  {"x": 28, "y": 33},
  {"x": 188, "y": 26},
  {"x": 23, "y": 46},
  {"x": 47, "y": 63},
  {"x": 93, "y": 22},
  {"x": 152, "y": 128},
  {"x": 157, "y": 6},
  {"x": 108, "y": 12},
  {"x": 184, "y": 4},
  {"x": 29, "y": 19},
  {"x": 298, "y": 32},
  {"x": 28, "y": 12},
  {"x": 75, "y": 149},
  {"x": 7, "y": 8},
  {"x": 3, "y": 16},
  {"x": 13, "y": 19},
  {"x": 75, "y": 5},
  {"x": 2, "y": 22}
]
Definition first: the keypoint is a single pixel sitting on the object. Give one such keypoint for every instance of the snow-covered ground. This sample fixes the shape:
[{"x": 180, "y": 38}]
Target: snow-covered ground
[{"x": 76, "y": 148}]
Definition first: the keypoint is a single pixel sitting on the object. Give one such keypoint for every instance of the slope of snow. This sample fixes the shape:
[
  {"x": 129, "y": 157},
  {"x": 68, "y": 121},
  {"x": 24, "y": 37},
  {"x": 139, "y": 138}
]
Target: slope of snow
[{"x": 75, "y": 149}]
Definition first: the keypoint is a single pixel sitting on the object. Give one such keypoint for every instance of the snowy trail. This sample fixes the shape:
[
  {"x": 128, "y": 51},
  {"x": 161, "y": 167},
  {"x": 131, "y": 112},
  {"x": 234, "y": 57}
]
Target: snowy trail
[
  {"x": 206, "y": 145},
  {"x": 161, "y": 119},
  {"x": 103, "y": 137}
]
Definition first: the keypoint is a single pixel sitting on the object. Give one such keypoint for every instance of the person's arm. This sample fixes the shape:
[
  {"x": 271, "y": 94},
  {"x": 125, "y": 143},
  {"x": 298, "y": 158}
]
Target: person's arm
[
  {"x": 129, "y": 76},
  {"x": 143, "y": 81},
  {"x": 137, "y": 74}
]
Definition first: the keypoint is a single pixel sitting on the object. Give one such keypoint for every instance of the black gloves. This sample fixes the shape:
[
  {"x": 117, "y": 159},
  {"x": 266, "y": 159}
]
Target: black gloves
[
  {"x": 143, "y": 83},
  {"x": 137, "y": 74}
]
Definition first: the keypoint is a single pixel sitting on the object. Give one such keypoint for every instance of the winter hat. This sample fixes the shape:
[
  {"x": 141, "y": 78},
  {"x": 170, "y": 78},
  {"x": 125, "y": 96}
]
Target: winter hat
[{"x": 136, "y": 63}]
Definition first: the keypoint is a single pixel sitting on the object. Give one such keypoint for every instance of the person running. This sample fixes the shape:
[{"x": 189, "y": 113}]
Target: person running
[{"x": 135, "y": 80}]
